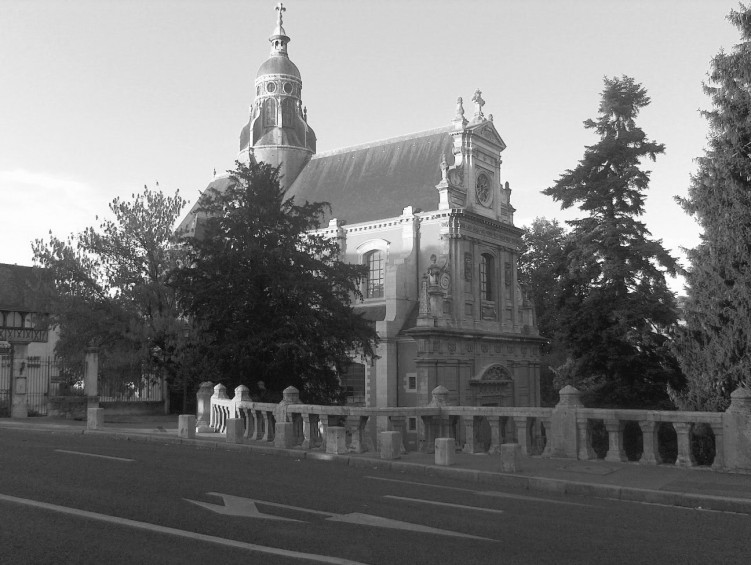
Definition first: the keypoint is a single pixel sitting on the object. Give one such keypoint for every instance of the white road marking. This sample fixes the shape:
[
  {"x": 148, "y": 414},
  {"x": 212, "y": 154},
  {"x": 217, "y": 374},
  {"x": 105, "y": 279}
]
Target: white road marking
[
  {"x": 246, "y": 507},
  {"x": 94, "y": 455},
  {"x": 447, "y": 504},
  {"x": 179, "y": 533},
  {"x": 483, "y": 493}
]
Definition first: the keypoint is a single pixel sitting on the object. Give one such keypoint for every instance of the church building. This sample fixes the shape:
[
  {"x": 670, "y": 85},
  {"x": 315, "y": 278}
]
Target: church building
[{"x": 430, "y": 215}]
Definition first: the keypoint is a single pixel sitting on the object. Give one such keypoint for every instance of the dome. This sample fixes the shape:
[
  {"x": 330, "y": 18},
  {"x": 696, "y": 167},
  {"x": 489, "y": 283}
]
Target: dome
[{"x": 278, "y": 65}]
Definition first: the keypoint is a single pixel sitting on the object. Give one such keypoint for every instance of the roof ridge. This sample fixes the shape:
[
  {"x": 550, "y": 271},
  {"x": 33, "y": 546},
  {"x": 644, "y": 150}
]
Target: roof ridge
[{"x": 370, "y": 144}]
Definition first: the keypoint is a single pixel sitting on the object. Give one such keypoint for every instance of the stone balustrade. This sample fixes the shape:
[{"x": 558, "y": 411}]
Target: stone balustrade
[{"x": 568, "y": 431}]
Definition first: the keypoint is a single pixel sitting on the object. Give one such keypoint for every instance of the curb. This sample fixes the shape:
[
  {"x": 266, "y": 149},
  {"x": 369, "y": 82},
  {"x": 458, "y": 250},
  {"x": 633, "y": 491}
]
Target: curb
[{"x": 538, "y": 484}]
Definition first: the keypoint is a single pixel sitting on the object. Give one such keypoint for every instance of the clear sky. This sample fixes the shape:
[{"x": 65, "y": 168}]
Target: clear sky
[{"x": 99, "y": 97}]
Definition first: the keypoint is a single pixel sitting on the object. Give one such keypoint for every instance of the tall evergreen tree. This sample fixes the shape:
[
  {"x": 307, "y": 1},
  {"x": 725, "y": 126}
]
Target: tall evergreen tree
[
  {"x": 272, "y": 299},
  {"x": 615, "y": 307},
  {"x": 715, "y": 345}
]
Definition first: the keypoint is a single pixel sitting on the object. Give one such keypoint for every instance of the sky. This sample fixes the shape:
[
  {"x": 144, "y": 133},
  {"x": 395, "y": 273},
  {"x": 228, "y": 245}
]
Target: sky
[{"x": 101, "y": 97}]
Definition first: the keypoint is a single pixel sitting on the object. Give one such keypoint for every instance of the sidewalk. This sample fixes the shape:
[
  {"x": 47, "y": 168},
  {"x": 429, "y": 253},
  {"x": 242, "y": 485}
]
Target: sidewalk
[{"x": 657, "y": 484}]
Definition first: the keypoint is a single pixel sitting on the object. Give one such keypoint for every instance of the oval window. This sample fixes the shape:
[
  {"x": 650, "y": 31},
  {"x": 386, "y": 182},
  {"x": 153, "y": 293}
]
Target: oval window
[
  {"x": 270, "y": 87},
  {"x": 287, "y": 88}
]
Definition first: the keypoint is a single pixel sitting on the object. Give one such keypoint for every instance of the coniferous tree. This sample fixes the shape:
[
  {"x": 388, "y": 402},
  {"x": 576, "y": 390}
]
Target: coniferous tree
[
  {"x": 714, "y": 347},
  {"x": 615, "y": 308},
  {"x": 272, "y": 299}
]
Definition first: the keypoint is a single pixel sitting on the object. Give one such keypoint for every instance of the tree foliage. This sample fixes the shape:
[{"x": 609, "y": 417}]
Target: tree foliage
[
  {"x": 615, "y": 309},
  {"x": 272, "y": 299},
  {"x": 714, "y": 347},
  {"x": 108, "y": 286},
  {"x": 541, "y": 265}
]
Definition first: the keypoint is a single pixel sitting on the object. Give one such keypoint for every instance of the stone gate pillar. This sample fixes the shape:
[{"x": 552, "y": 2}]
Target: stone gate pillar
[
  {"x": 91, "y": 377},
  {"x": 19, "y": 407}
]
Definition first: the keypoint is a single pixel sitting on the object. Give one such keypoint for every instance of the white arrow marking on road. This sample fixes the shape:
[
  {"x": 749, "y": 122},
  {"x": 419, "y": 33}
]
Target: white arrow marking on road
[
  {"x": 246, "y": 507},
  {"x": 274, "y": 551}
]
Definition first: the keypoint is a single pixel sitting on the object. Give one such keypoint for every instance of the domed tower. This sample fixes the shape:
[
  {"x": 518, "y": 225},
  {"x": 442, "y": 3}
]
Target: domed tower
[{"x": 278, "y": 131}]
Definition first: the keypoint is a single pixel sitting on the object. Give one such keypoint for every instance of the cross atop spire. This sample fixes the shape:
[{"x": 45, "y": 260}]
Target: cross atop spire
[{"x": 280, "y": 8}]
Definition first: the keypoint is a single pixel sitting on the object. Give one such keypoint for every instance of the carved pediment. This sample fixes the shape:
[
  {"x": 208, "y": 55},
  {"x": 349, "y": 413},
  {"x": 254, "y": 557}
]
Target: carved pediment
[
  {"x": 495, "y": 374},
  {"x": 488, "y": 131}
]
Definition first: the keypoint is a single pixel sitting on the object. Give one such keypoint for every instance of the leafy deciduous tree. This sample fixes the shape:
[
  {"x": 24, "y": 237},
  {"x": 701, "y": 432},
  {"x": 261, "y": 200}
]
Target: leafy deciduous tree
[
  {"x": 714, "y": 347},
  {"x": 108, "y": 286},
  {"x": 615, "y": 309}
]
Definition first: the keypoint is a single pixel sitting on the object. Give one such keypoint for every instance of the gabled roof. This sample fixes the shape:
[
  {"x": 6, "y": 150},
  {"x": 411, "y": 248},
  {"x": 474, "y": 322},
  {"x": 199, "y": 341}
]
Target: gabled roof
[
  {"x": 19, "y": 288},
  {"x": 377, "y": 180}
]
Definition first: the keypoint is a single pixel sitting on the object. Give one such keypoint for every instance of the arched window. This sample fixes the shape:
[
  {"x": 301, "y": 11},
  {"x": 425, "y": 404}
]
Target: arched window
[
  {"x": 288, "y": 113},
  {"x": 269, "y": 113},
  {"x": 374, "y": 283},
  {"x": 486, "y": 276}
]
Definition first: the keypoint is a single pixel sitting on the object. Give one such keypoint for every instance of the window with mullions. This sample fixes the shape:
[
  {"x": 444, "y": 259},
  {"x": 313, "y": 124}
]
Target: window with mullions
[
  {"x": 374, "y": 286},
  {"x": 486, "y": 277}
]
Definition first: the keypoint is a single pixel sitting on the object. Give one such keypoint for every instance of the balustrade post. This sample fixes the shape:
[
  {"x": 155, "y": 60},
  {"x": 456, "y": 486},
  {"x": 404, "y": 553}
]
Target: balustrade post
[
  {"x": 685, "y": 455},
  {"x": 495, "y": 435},
  {"x": 650, "y": 444},
  {"x": 736, "y": 424},
  {"x": 615, "y": 453},
  {"x": 203, "y": 405},
  {"x": 470, "y": 445},
  {"x": 522, "y": 433},
  {"x": 585, "y": 453}
]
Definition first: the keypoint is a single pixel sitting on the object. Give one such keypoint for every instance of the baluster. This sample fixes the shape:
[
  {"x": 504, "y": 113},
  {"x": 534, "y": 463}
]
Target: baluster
[
  {"x": 307, "y": 442},
  {"x": 495, "y": 434},
  {"x": 685, "y": 455},
  {"x": 586, "y": 453},
  {"x": 470, "y": 441},
  {"x": 719, "y": 447},
  {"x": 651, "y": 448},
  {"x": 522, "y": 433},
  {"x": 615, "y": 441},
  {"x": 267, "y": 436},
  {"x": 547, "y": 423}
]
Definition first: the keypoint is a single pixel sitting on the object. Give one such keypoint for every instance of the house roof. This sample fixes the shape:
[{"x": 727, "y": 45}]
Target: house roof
[
  {"x": 377, "y": 180},
  {"x": 19, "y": 288}
]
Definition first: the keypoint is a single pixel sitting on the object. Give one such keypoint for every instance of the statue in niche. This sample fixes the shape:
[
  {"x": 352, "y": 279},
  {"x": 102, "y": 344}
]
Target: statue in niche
[{"x": 468, "y": 267}]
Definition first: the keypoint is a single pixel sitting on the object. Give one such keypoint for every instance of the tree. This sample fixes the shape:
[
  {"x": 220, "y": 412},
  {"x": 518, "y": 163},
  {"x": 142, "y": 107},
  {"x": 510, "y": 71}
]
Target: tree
[
  {"x": 108, "y": 287},
  {"x": 541, "y": 265},
  {"x": 271, "y": 297},
  {"x": 714, "y": 347},
  {"x": 615, "y": 309}
]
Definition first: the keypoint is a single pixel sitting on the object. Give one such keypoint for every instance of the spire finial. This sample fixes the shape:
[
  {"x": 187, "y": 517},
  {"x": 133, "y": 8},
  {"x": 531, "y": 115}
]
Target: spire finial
[
  {"x": 280, "y": 8},
  {"x": 459, "y": 117}
]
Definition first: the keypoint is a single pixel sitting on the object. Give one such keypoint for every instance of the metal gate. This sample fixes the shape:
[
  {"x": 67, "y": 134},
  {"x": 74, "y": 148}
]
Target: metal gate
[
  {"x": 39, "y": 373},
  {"x": 4, "y": 386}
]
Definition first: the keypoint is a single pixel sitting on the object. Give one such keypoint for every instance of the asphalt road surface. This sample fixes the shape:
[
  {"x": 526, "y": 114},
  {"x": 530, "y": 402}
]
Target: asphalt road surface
[{"x": 86, "y": 499}]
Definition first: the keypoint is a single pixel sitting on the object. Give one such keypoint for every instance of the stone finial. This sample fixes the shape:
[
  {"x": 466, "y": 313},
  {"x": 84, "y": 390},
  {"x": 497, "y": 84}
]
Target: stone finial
[
  {"x": 291, "y": 395},
  {"x": 569, "y": 396},
  {"x": 242, "y": 393},
  {"x": 220, "y": 391},
  {"x": 479, "y": 103},
  {"x": 440, "y": 396},
  {"x": 740, "y": 401},
  {"x": 459, "y": 117}
]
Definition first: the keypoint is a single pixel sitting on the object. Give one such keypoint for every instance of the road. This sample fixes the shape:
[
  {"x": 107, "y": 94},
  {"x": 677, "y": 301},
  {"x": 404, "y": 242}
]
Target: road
[{"x": 94, "y": 499}]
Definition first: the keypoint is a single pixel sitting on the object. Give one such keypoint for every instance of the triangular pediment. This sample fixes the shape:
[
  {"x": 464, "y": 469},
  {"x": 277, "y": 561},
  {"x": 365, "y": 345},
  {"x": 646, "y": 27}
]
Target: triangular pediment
[{"x": 487, "y": 131}]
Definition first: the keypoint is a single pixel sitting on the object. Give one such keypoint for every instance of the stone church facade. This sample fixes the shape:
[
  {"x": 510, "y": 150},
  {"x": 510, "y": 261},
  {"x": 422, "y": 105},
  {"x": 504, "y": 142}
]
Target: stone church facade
[{"x": 430, "y": 215}]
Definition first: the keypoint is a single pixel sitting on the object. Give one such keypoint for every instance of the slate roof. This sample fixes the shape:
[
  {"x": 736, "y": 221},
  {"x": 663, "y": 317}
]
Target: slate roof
[
  {"x": 19, "y": 288},
  {"x": 377, "y": 180}
]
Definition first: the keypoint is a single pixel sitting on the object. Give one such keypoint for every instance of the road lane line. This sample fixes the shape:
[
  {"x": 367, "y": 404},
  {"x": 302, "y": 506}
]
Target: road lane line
[
  {"x": 447, "y": 504},
  {"x": 94, "y": 455},
  {"x": 493, "y": 493},
  {"x": 179, "y": 533}
]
